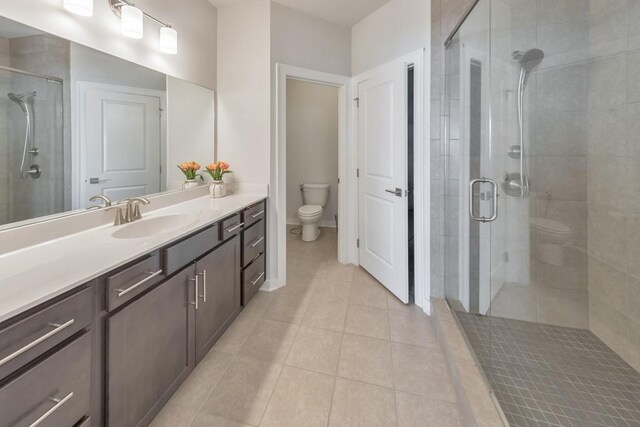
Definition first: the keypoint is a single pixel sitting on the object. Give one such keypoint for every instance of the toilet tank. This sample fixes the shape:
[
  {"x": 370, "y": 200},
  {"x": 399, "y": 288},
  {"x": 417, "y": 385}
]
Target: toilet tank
[{"x": 315, "y": 194}]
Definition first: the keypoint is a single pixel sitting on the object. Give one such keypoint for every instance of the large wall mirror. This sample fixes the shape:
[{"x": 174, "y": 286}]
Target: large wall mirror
[{"x": 76, "y": 122}]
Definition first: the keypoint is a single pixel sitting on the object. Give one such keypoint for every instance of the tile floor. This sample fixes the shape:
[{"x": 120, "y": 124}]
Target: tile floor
[
  {"x": 545, "y": 375},
  {"x": 333, "y": 348}
]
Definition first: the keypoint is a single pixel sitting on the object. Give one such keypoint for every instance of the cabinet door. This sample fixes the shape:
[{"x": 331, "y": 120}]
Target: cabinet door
[
  {"x": 219, "y": 299},
  {"x": 149, "y": 351}
]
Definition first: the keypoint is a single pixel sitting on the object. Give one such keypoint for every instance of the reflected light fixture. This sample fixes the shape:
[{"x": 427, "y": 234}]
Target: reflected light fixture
[
  {"x": 79, "y": 7},
  {"x": 168, "y": 40},
  {"x": 131, "y": 21}
]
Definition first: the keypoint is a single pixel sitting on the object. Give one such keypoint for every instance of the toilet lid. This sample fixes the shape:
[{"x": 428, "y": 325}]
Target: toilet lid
[
  {"x": 549, "y": 225},
  {"x": 309, "y": 210}
]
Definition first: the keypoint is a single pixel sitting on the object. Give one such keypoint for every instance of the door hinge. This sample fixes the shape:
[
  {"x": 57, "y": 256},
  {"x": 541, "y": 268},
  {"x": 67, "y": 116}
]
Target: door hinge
[
  {"x": 357, "y": 102},
  {"x": 358, "y": 173},
  {"x": 357, "y": 243}
]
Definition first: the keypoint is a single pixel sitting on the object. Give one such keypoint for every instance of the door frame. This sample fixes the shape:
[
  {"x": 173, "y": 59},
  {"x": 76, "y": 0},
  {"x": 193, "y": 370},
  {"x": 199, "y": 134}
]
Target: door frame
[
  {"x": 278, "y": 222},
  {"x": 422, "y": 172},
  {"x": 79, "y": 134}
]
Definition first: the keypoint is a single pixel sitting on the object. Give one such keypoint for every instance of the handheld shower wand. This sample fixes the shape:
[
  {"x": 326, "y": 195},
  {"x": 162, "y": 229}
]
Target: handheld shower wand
[{"x": 20, "y": 99}]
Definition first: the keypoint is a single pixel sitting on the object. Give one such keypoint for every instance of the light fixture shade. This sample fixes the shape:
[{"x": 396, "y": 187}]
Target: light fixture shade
[
  {"x": 131, "y": 21},
  {"x": 168, "y": 40},
  {"x": 79, "y": 7}
]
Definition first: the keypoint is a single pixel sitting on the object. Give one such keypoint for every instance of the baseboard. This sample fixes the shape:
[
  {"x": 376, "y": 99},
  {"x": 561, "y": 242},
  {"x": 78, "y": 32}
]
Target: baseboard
[
  {"x": 324, "y": 223},
  {"x": 271, "y": 285}
]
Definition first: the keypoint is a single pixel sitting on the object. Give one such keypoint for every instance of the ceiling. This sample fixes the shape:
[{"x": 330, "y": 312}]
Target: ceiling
[{"x": 341, "y": 12}]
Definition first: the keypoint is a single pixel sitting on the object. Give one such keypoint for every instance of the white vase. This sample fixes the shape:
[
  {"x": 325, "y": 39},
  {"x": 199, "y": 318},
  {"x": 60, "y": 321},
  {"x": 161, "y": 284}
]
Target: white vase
[
  {"x": 217, "y": 189},
  {"x": 190, "y": 183}
]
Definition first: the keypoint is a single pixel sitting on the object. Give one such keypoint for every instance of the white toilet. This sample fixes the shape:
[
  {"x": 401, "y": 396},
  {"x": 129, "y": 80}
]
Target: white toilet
[{"x": 314, "y": 197}]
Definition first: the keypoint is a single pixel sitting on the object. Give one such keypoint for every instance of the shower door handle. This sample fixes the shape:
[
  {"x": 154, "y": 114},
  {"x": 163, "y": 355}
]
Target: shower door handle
[{"x": 494, "y": 213}]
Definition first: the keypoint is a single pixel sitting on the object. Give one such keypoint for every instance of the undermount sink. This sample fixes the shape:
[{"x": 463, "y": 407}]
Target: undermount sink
[{"x": 157, "y": 225}]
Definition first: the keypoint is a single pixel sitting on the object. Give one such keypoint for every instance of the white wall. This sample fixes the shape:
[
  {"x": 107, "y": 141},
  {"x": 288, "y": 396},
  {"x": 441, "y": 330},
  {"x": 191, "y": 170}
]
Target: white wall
[
  {"x": 396, "y": 29},
  {"x": 309, "y": 42},
  {"x": 195, "y": 21},
  {"x": 244, "y": 90},
  {"x": 190, "y": 127},
  {"x": 312, "y": 144}
]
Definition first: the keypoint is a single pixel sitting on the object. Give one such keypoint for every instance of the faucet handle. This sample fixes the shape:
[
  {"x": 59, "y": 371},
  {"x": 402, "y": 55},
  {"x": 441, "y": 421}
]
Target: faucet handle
[
  {"x": 105, "y": 199},
  {"x": 119, "y": 219}
]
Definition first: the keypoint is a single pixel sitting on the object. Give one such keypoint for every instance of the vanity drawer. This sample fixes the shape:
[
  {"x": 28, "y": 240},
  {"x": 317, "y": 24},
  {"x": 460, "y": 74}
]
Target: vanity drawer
[
  {"x": 190, "y": 249},
  {"x": 253, "y": 214},
  {"x": 32, "y": 336},
  {"x": 56, "y": 392},
  {"x": 252, "y": 279},
  {"x": 132, "y": 281},
  {"x": 253, "y": 242},
  {"x": 230, "y": 226}
]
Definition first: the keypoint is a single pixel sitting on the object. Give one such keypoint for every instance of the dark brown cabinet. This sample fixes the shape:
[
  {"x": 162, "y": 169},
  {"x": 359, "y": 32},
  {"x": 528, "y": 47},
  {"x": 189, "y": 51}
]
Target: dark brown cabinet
[
  {"x": 219, "y": 297},
  {"x": 149, "y": 350}
]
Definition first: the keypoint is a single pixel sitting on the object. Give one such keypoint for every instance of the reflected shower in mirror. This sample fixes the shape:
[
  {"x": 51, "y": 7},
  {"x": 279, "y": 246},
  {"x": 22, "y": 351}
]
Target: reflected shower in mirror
[{"x": 77, "y": 123}]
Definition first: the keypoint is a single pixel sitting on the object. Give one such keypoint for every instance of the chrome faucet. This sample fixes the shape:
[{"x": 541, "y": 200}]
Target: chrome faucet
[{"x": 135, "y": 202}]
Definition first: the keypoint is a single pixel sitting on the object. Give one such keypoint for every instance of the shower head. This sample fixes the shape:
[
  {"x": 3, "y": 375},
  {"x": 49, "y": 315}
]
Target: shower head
[
  {"x": 530, "y": 59},
  {"x": 19, "y": 99}
]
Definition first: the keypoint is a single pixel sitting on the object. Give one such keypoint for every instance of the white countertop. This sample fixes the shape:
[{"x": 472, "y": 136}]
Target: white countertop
[{"x": 36, "y": 274}]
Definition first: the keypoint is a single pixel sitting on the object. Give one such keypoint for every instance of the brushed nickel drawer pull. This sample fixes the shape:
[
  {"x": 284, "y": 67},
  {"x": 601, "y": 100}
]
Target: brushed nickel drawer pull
[
  {"x": 58, "y": 328},
  {"x": 204, "y": 285},
  {"x": 253, "y": 283},
  {"x": 58, "y": 404},
  {"x": 256, "y": 215},
  {"x": 257, "y": 242},
  {"x": 235, "y": 227},
  {"x": 150, "y": 276},
  {"x": 195, "y": 293}
]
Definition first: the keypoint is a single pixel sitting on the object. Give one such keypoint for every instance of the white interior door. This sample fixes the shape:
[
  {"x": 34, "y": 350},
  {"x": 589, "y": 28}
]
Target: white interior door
[
  {"x": 120, "y": 142},
  {"x": 382, "y": 145}
]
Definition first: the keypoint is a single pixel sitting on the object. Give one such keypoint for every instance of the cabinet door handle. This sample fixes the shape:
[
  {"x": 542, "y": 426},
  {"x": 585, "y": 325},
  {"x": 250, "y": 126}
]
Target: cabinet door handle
[
  {"x": 235, "y": 227},
  {"x": 253, "y": 282},
  {"x": 58, "y": 328},
  {"x": 150, "y": 276},
  {"x": 204, "y": 285},
  {"x": 58, "y": 404},
  {"x": 256, "y": 215},
  {"x": 257, "y": 242},
  {"x": 195, "y": 281}
]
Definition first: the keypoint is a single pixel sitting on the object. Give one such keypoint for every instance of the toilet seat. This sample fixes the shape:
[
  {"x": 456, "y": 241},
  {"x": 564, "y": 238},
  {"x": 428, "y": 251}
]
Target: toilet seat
[{"x": 309, "y": 210}]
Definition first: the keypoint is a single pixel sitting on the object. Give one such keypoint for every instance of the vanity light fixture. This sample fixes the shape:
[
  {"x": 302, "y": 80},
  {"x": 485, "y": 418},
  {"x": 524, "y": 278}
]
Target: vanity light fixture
[
  {"x": 132, "y": 24},
  {"x": 79, "y": 7}
]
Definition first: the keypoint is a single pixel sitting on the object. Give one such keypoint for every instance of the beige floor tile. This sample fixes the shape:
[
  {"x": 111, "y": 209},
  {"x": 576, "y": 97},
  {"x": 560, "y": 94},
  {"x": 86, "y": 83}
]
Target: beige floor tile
[
  {"x": 287, "y": 307},
  {"x": 301, "y": 398},
  {"x": 334, "y": 271},
  {"x": 369, "y": 294},
  {"x": 236, "y": 335},
  {"x": 326, "y": 314},
  {"x": 356, "y": 404},
  {"x": 393, "y": 303},
  {"x": 194, "y": 391},
  {"x": 244, "y": 390},
  {"x": 270, "y": 341},
  {"x": 419, "y": 411},
  {"x": 327, "y": 289},
  {"x": 411, "y": 328},
  {"x": 210, "y": 420},
  {"x": 422, "y": 370},
  {"x": 366, "y": 359},
  {"x": 174, "y": 415},
  {"x": 258, "y": 304},
  {"x": 316, "y": 349},
  {"x": 368, "y": 321}
]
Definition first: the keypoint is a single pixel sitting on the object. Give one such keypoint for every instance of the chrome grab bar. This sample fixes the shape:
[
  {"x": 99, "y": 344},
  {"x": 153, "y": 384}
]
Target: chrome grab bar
[
  {"x": 494, "y": 214},
  {"x": 253, "y": 282},
  {"x": 58, "y": 404},
  {"x": 58, "y": 328},
  {"x": 195, "y": 280},
  {"x": 150, "y": 276},
  {"x": 235, "y": 227},
  {"x": 257, "y": 242},
  {"x": 257, "y": 214},
  {"x": 204, "y": 285}
]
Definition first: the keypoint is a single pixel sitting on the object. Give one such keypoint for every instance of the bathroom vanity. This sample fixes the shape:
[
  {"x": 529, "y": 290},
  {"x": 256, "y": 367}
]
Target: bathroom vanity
[{"x": 110, "y": 349}]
